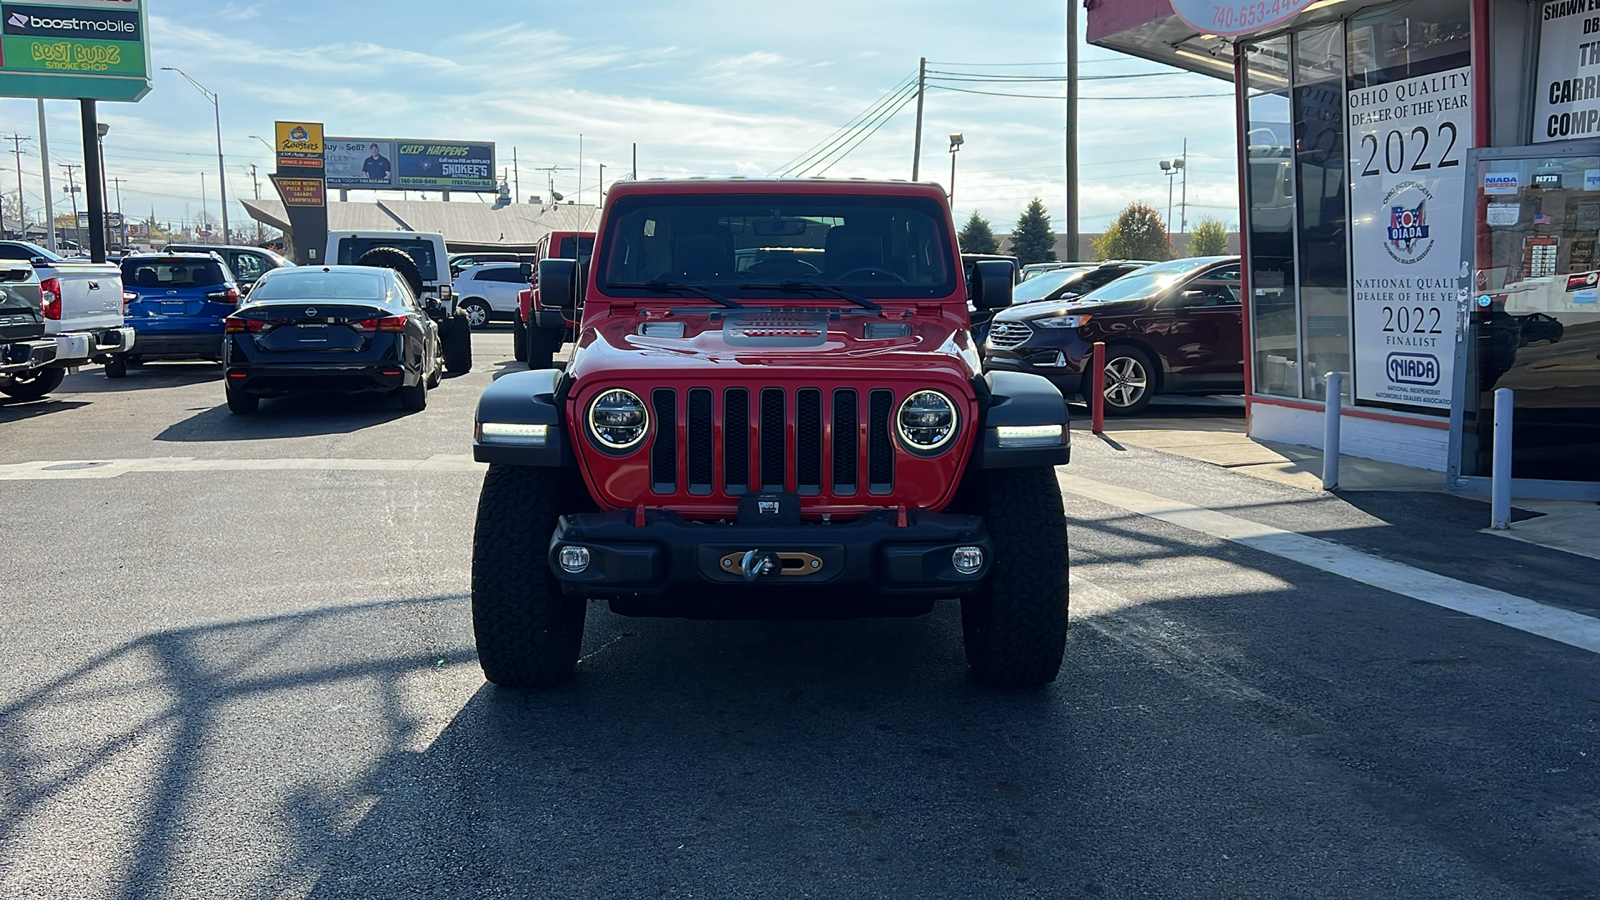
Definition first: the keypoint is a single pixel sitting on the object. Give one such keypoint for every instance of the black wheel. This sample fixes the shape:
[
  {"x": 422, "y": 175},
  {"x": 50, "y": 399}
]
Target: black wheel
[
  {"x": 1015, "y": 630},
  {"x": 242, "y": 403},
  {"x": 1130, "y": 381},
  {"x": 519, "y": 341},
  {"x": 541, "y": 353},
  {"x": 456, "y": 337},
  {"x": 414, "y": 396},
  {"x": 477, "y": 312},
  {"x": 35, "y": 384},
  {"x": 117, "y": 367},
  {"x": 527, "y": 630},
  {"x": 398, "y": 260}
]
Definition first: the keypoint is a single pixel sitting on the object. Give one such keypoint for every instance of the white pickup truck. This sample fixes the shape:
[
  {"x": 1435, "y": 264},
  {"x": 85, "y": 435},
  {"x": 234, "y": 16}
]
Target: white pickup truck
[{"x": 83, "y": 307}]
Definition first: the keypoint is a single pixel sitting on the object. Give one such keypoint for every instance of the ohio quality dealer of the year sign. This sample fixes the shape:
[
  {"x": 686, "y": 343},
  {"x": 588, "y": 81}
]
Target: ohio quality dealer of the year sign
[{"x": 74, "y": 49}]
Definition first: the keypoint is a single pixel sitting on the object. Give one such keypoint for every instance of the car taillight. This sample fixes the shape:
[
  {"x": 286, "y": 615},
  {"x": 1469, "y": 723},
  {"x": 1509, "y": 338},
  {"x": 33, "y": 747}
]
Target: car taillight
[
  {"x": 50, "y": 298},
  {"x": 128, "y": 297},
  {"x": 227, "y": 295},
  {"x": 238, "y": 325},
  {"x": 387, "y": 323}
]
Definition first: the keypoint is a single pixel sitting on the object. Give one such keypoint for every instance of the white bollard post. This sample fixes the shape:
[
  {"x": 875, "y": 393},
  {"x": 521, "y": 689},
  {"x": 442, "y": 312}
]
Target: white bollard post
[
  {"x": 1500, "y": 484},
  {"x": 1334, "y": 398}
]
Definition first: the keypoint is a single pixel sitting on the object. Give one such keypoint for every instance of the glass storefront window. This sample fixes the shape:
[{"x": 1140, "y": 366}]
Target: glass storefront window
[
  {"x": 1323, "y": 247},
  {"x": 1271, "y": 195},
  {"x": 1404, "y": 40}
]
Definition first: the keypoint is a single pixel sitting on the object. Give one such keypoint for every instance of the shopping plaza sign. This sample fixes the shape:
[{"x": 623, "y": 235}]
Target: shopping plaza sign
[
  {"x": 1230, "y": 18},
  {"x": 74, "y": 49}
]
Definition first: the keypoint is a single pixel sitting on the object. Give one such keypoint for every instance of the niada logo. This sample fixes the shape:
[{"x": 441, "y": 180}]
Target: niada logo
[
  {"x": 58, "y": 22},
  {"x": 1409, "y": 241},
  {"x": 1413, "y": 368}
]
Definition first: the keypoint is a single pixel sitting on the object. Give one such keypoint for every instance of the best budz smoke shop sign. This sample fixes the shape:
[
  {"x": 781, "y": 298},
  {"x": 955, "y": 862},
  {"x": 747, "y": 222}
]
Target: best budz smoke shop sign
[
  {"x": 1407, "y": 142},
  {"x": 88, "y": 49},
  {"x": 1566, "y": 101}
]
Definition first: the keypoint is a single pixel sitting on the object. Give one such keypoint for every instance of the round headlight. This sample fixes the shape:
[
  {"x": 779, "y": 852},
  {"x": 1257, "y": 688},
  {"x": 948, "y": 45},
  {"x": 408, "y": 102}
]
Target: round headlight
[
  {"x": 618, "y": 419},
  {"x": 927, "y": 420}
]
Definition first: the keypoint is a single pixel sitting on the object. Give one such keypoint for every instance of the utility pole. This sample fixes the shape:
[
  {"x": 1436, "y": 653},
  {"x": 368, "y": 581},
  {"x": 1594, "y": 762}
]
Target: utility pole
[
  {"x": 72, "y": 188},
  {"x": 600, "y": 188},
  {"x": 1183, "y": 198},
  {"x": 516, "y": 177},
  {"x": 22, "y": 209},
  {"x": 635, "y": 160},
  {"x": 922, "y": 88},
  {"x": 580, "y": 170},
  {"x": 202, "y": 202},
  {"x": 49, "y": 202},
  {"x": 1072, "y": 128},
  {"x": 118, "y": 182}
]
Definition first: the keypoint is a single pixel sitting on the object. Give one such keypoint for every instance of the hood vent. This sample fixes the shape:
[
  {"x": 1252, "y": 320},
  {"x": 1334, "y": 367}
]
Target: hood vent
[{"x": 776, "y": 329}]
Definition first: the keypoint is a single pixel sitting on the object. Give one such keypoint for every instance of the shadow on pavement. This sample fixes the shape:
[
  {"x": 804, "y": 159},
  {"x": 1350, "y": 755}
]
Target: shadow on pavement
[
  {"x": 299, "y": 415},
  {"x": 150, "y": 376},
  {"x": 12, "y": 410}
]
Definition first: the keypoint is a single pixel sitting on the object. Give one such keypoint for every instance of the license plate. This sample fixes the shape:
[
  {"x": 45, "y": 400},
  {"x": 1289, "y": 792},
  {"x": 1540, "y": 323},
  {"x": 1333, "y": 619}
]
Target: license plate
[{"x": 173, "y": 308}]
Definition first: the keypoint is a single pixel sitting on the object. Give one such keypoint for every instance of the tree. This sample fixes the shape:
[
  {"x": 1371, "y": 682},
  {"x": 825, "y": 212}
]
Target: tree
[
  {"x": 1209, "y": 238},
  {"x": 1033, "y": 241},
  {"x": 977, "y": 237},
  {"x": 1138, "y": 233}
]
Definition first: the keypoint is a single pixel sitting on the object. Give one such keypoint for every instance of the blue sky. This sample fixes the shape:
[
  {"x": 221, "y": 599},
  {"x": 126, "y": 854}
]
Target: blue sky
[{"x": 706, "y": 87}]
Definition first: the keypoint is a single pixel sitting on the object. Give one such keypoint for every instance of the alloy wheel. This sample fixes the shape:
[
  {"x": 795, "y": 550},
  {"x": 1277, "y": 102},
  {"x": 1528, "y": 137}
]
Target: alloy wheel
[{"x": 1126, "y": 381}]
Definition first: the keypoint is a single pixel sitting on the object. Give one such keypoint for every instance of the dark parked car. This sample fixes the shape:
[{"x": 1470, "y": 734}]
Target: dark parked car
[
  {"x": 1535, "y": 327},
  {"x": 246, "y": 263},
  {"x": 1169, "y": 328},
  {"x": 1062, "y": 284},
  {"x": 176, "y": 303},
  {"x": 331, "y": 329}
]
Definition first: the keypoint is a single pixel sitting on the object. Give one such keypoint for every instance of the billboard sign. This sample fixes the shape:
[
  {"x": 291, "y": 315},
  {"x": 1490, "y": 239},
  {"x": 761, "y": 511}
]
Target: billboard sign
[
  {"x": 410, "y": 165},
  {"x": 299, "y": 145},
  {"x": 360, "y": 163},
  {"x": 74, "y": 49}
]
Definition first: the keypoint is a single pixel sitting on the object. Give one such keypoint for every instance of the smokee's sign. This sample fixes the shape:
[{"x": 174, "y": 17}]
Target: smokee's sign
[
  {"x": 1567, "y": 97},
  {"x": 1228, "y": 18}
]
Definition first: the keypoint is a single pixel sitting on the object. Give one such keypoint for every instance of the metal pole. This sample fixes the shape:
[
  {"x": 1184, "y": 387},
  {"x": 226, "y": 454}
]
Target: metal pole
[
  {"x": 1183, "y": 204},
  {"x": 1500, "y": 483},
  {"x": 91, "y": 177},
  {"x": 222, "y": 172},
  {"x": 516, "y": 177},
  {"x": 1072, "y": 129},
  {"x": 105, "y": 190},
  {"x": 1332, "y": 409},
  {"x": 635, "y": 160},
  {"x": 72, "y": 191},
  {"x": 952, "y": 177},
  {"x": 916, "y": 146},
  {"x": 1169, "y": 200},
  {"x": 49, "y": 202},
  {"x": 1097, "y": 389},
  {"x": 580, "y": 170},
  {"x": 22, "y": 209}
]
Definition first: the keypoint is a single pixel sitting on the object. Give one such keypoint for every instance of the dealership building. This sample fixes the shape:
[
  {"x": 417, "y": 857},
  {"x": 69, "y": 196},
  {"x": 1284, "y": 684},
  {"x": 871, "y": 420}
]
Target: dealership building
[{"x": 1420, "y": 208}]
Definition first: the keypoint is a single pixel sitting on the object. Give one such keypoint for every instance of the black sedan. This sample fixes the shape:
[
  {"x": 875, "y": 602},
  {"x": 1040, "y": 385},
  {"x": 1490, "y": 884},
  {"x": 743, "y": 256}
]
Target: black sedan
[{"x": 330, "y": 329}]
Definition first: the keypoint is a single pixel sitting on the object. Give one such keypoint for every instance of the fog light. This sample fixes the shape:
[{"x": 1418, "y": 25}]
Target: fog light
[
  {"x": 573, "y": 560},
  {"x": 514, "y": 433},
  {"x": 1019, "y": 437},
  {"x": 967, "y": 560}
]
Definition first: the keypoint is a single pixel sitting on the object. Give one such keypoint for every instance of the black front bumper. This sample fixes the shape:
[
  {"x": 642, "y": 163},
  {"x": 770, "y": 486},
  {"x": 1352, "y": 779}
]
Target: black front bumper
[
  {"x": 873, "y": 555},
  {"x": 1068, "y": 378},
  {"x": 315, "y": 379}
]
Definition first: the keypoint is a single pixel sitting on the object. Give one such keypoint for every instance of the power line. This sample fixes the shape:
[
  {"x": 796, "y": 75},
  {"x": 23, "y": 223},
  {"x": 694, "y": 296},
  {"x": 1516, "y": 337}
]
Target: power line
[
  {"x": 904, "y": 89},
  {"x": 1059, "y": 99},
  {"x": 1000, "y": 79},
  {"x": 864, "y": 137}
]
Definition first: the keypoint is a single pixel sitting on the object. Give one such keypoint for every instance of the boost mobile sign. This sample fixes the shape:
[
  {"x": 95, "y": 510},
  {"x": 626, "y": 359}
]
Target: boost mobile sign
[
  {"x": 74, "y": 49},
  {"x": 1407, "y": 143}
]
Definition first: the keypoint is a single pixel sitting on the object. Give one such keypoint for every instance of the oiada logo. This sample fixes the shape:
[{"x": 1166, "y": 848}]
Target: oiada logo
[
  {"x": 1413, "y": 368},
  {"x": 1409, "y": 240}
]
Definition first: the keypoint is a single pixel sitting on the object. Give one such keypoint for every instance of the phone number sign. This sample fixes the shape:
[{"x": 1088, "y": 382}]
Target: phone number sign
[
  {"x": 60, "y": 49},
  {"x": 1229, "y": 18}
]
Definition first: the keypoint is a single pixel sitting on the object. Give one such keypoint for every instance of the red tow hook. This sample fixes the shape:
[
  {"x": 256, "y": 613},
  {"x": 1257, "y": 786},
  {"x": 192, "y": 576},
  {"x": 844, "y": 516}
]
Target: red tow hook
[
  {"x": 900, "y": 517},
  {"x": 638, "y": 516}
]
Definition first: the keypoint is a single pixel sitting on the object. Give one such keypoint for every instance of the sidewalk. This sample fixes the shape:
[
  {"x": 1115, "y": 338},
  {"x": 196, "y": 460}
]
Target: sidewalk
[{"x": 1214, "y": 433}]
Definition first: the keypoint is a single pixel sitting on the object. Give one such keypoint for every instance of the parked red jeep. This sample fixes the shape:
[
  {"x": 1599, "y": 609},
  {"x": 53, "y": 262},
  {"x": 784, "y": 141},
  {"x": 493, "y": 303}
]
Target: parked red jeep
[
  {"x": 543, "y": 329},
  {"x": 774, "y": 408}
]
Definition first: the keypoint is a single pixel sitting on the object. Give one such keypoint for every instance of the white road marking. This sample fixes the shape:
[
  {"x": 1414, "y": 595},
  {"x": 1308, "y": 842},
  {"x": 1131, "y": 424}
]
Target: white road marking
[
  {"x": 70, "y": 469},
  {"x": 1561, "y": 625}
]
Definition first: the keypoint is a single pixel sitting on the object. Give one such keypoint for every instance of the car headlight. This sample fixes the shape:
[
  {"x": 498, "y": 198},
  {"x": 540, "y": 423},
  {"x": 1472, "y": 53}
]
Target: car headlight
[
  {"x": 927, "y": 421},
  {"x": 1061, "y": 321},
  {"x": 618, "y": 419}
]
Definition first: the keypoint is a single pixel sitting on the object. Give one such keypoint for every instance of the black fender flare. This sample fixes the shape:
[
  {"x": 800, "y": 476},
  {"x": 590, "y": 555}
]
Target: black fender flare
[
  {"x": 524, "y": 398},
  {"x": 1011, "y": 399}
]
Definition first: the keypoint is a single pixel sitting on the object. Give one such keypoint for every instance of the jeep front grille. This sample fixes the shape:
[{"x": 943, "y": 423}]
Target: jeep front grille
[
  {"x": 836, "y": 438},
  {"x": 1006, "y": 335}
]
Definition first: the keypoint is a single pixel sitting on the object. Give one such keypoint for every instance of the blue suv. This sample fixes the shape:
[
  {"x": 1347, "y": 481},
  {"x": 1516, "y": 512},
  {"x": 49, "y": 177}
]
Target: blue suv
[{"x": 176, "y": 303}]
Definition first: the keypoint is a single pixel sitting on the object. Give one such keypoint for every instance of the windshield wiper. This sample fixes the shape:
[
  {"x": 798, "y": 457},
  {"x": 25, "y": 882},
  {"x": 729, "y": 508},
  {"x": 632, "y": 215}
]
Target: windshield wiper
[
  {"x": 797, "y": 287},
  {"x": 678, "y": 287}
]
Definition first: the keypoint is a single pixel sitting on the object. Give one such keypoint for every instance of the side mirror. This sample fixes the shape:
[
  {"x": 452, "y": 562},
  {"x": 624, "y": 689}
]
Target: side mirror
[
  {"x": 526, "y": 271},
  {"x": 559, "y": 283},
  {"x": 991, "y": 284},
  {"x": 38, "y": 261}
]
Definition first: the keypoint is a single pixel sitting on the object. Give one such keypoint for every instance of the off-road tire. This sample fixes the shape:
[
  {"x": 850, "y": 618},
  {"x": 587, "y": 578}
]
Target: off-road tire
[
  {"x": 455, "y": 336},
  {"x": 398, "y": 260},
  {"x": 241, "y": 403},
  {"x": 528, "y": 631},
  {"x": 117, "y": 367},
  {"x": 1015, "y": 629},
  {"x": 519, "y": 341},
  {"x": 541, "y": 355},
  {"x": 34, "y": 387},
  {"x": 1135, "y": 359},
  {"x": 480, "y": 306},
  {"x": 414, "y": 397}
]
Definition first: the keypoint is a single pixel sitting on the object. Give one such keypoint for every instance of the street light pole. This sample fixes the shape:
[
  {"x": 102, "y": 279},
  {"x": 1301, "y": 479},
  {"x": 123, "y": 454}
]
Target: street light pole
[
  {"x": 1166, "y": 167},
  {"x": 222, "y": 171},
  {"x": 956, "y": 141}
]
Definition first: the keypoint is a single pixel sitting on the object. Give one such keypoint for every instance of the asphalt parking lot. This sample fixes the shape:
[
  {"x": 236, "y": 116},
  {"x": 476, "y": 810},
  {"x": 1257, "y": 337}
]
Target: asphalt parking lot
[{"x": 240, "y": 665}]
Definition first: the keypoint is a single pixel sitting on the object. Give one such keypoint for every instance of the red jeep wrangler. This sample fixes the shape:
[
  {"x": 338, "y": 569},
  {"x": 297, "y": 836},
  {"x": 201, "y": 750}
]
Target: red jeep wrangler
[
  {"x": 774, "y": 409},
  {"x": 543, "y": 328}
]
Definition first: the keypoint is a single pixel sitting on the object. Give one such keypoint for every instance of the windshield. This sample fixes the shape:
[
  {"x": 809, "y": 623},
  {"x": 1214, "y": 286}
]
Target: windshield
[
  {"x": 1044, "y": 284},
  {"x": 313, "y": 284},
  {"x": 351, "y": 249},
  {"x": 884, "y": 247},
  {"x": 1149, "y": 281},
  {"x": 173, "y": 272}
]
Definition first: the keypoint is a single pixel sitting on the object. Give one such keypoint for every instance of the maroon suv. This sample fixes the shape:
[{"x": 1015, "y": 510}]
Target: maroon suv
[{"x": 1170, "y": 328}]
